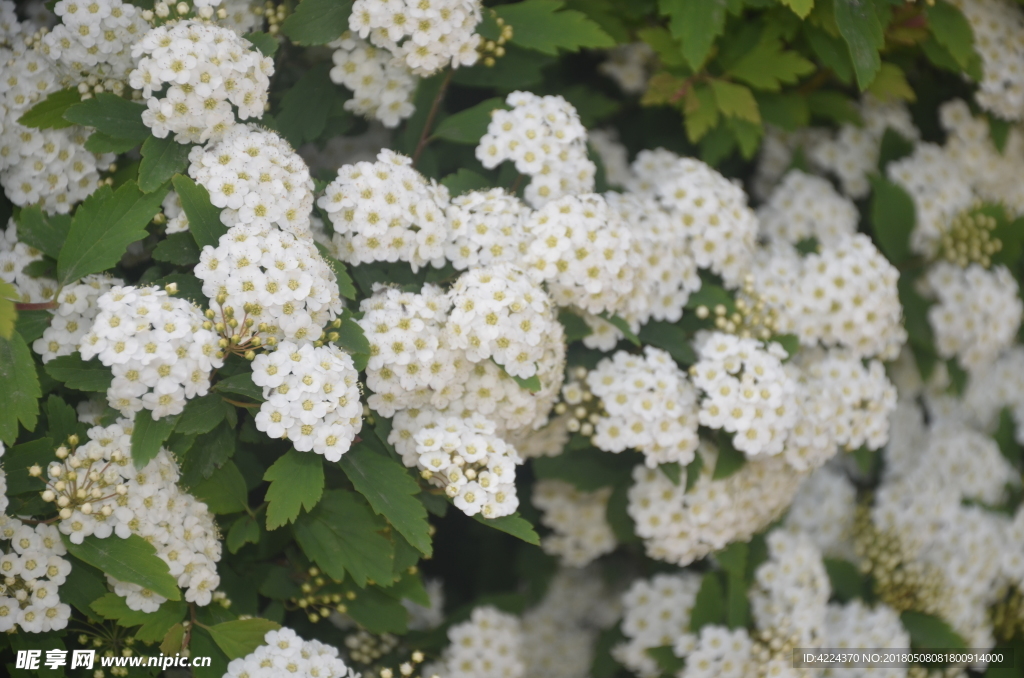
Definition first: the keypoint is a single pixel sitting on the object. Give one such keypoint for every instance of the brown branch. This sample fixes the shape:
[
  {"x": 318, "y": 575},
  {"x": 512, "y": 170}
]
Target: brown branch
[
  {"x": 425, "y": 134},
  {"x": 37, "y": 306}
]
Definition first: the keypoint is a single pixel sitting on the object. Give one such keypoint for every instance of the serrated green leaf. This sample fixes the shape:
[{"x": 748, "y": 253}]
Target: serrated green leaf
[
  {"x": 695, "y": 24},
  {"x": 463, "y": 181},
  {"x": 177, "y": 248},
  {"x": 539, "y": 25},
  {"x": 317, "y": 22},
  {"x": 787, "y": 111},
  {"x": 515, "y": 525},
  {"x": 8, "y": 313},
  {"x": 305, "y": 106},
  {"x": 891, "y": 84},
  {"x": 735, "y": 101},
  {"x": 242, "y": 636},
  {"x": 208, "y": 453},
  {"x": 928, "y": 632},
  {"x": 19, "y": 397},
  {"x": 49, "y": 113},
  {"x": 201, "y": 415},
  {"x": 831, "y": 51},
  {"x": 391, "y": 491},
  {"x": 296, "y": 482},
  {"x": 951, "y": 30},
  {"x": 44, "y": 232},
  {"x": 98, "y": 142},
  {"x": 800, "y": 7},
  {"x": 149, "y": 435},
  {"x": 111, "y": 115},
  {"x": 859, "y": 25},
  {"x": 103, "y": 227},
  {"x": 342, "y": 535},
  {"x": 203, "y": 218},
  {"x": 378, "y": 612},
  {"x": 245, "y": 530},
  {"x": 709, "y": 606},
  {"x": 78, "y": 374},
  {"x": 61, "y": 419},
  {"x": 31, "y": 324},
  {"x": 669, "y": 51},
  {"x": 161, "y": 160},
  {"x": 224, "y": 492},
  {"x": 131, "y": 560},
  {"x": 264, "y": 42},
  {"x": 240, "y": 384},
  {"x": 18, "y": 460},
  {"x": 468, "y": 125},
  {"x": 154, "y": 625},
  {"x": 892, "y": 218},
  {"x": 769, "y": 65}
]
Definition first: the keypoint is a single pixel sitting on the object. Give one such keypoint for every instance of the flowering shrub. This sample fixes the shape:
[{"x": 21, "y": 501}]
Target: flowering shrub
[{"x": 514, "y": 338}]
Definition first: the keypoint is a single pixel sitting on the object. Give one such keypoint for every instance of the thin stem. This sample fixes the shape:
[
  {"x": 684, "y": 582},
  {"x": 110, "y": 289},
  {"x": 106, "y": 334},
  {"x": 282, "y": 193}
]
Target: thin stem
[
  {"x": 36, "y": 306},
  {"x": 429, "y": 124},
  {"x": 239, "y": 404}
]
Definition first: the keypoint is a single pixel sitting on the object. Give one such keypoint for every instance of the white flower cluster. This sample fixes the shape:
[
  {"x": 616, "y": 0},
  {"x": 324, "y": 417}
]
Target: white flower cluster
[
  {"x": 485, "y": 228},
  {"x": 823, "y": 510},
  {"x": 422, "y": 617},
  {"x": 500, "y": 313},
  {"x": 14, "y": 257},
  {"x": 475, "y": 467},
  {"x": 93, "y": 41},
  {"x": 778, "y": 152},
  {"x": 192, "y": 74},
  {"x": 48, "y": 166},
  {"x": 857, "y": 626},
  {"x": 156, "y": 346},
  {"x": 711, "y": 210},
  {"x": 580, "y": 531},
  {"x": 488, "y": 645},
  {"x": 99, "y": 492},
  {"x": 998, "y": 29},
  {"x": 745, "y": 391},
  {"x": 427, "y": 36},
  {"x": 77, "y": 308},
  {"x": 283, "y": 652},
  {"x": 381, "y": 83},
  {"x": 33, "y": 570},
  {"x": 977, "y": 315},
  {"x": 387, "y": 211},
  {"x": 545, "y": 139},
  {"x": 312, "y": 397},
  {"x": 716, "y": 651},
  {"x": 649, "y": 405},
  {"x": 853, "y": 153},
  {"x": 990, "y": 171},
  {"x": 680, "y": 525},
  {"x": 806, "y": 206},
  {"x": 629, "y": 65},
  {"x": 991, "y": 389},
  {"x": 256, "y": 179},
  {"x": 656, "y": 612}
]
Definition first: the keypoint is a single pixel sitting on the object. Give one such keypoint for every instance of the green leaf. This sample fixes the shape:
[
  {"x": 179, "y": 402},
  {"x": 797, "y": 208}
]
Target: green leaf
[
  {"x": 149, "y": 435},
  {"x": 111, "y": 115},
  {"x": 391, "y": 491},
  {"x": 240, "y": 384},
  {"x": 952, "y": 30},
  {"x": 532, "y": 384},
  {"x": 518, "y": 69},
  {"x": 224, "y": 492},
  {"x": 831, "y": 51},
  {"x": 893, "y": 147},
  {"x": 709, "y": 606},
  {"x": 345, "y": 287},
  {"x": 847, "y": 581},
  {"x": 49, "y": 113},
  {"x": 672, "y": 471},
  {"x": 208, "y": 453},
  {"x": 155, "y": 625},
  {"x": 929, "y": 632},
  {"x": 98, "y": 142},
  {"x": 84, "y": 585},
  {"x": 729, "y": 461},
  {"x": 834, "y": 106},
  {"x": 661, "y": 41},
  {"x": 667, "y": 661},
  {"x": 892, "y": 218},
  {"x": 891, "y": 84},
  {"x": 161, "y": 159},
  {"x": 1005, "y": 437},
  {"x": 514, "y": 524},
  {"x": 769, "y": 65},
  {"x": 242, "y": 636},
  {"x": 264, "y": 42},
  {"x": 788, "y": 111},
  {"x": 103, "y": 227},
  {"x": 78, "y": 374},
  {"x": 177, "y": 248},
  {"x": 19, "y": 397},
  {"x": 131, "y": 560},
  {"x": 8, "y": 312},
  {"x": 296, "y": 482},
  {"x": 621, "y": 325},
  {"x": 800, "y": 7},
  {"x": 575, "y": 327},
  {"x": 735, "y": 101},
  {"x": 859, "y": 25},
  {"x": 243, "y": 531},
  {"x": 586, "y": 469},
  {"x": 305, "y": 106},
  {"x": 317, "y": 22},
  {"x": 463, "y": 181},
  {"x": 201, "y": 415},
  {"x": 468, "y": 125},
  {"x": 61, "y": 419},
  {"x": 998, "y": 132},
  {"x": 341, "y": 534},
  {"x": 670, "y": 338},
  {"x": 377, "y": 612},
  {"x": 695, "y": 24},
  {"x": 540, "y": 26},
  {"x": 693, "y": 470},
  {"x": 19, "y": 458},
  {"x": 203, "y": 218},
  {"x": 44, "y": 232}
]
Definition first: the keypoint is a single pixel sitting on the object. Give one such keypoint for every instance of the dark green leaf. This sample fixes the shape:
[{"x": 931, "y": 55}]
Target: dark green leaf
[
  {"x": 149, "y": 436},
  {"x": 98, "y": 142},
  {"x": 670, "y": 338},
  {"x": 223, "y": 492},
  {"x": 84, "y": 585},
  {"x": 78, "y": 374},
  {"x": 31, "y": 324},
  {"x": 19, "y": 397},
  {"x": 317, "y": 22},
  {"x": 695, "y": 24},
  {"x": 240, "y": 384},
  {"x": 769, "y": 65},
  {"x": 201, "y": 415},
  {"x": 49, "y": 113},
  {"x": 709, "y": 606},
  {"x": 103, "y": 227},
  {"x": 929, "y": 632},
  {"x": 305, "y": 105},
  {"x": 341, "y": 534},
  {"x": 44, "y": 232},
  {"x": 847, "y": 581},
  {"x": 110, "y": 114},
  {"x": 131, "y": 560},
  {"x": 208, "y": 453},
  {"x": 179, "y": 249},
  {"x": 468, "y": 125},
  {"x": 241, "y": 637},
  {"x": 729, "y": 461},
  {"x": 892, "y": 218},
  {"x": 621, "y": 325},
  {"x": 894, "y": 146},
  {"x": 693, "y": 470},
  {"x": 514, "y": 524},
  {"x": 463, "y": 181},
  {"x": 952, "y": 30},
  {"x": 587, "y": 469},
  {"x": 666, "y": 659},
  {"x": 203, "y": 218},
  {"x": 377, "y": 612},
  {"x": 161, "y": 159},
  {"x": 296, "y": 482},
  {"x": 264, "y": 42},
  {"x": 831, "y": 51},
  {"x": 672, "y": 471},
  {"x": 155, "y": 625},
  {"x": 540, "y": 26},
  {"x": 391, "y": 491},
  {"x": 203, "y": 645},
  {"x": 518, "y": 69},
  {"x": 859, "y": 25},
  {"x": 575, "y": 327},
  {"x": 19, "y": 458},
  {"x": 245, "y": 530},
  {"x": 1005, "y": 437},
  {"x": 61, "y": 419},
  {"x": 833, "y": 106}
]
